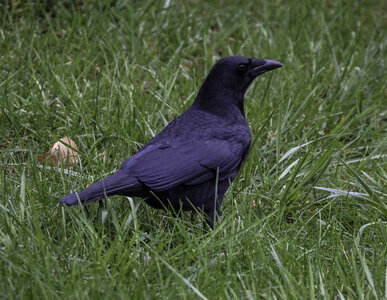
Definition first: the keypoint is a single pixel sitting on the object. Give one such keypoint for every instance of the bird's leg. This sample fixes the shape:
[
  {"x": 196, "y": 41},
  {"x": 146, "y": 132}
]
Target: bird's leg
[
  {"x": 209, "y": 219},
  {"x": 192, "y": 216},
  {"x": 86, "y": 211},
  {"x": 207, "y": 223},
  {"x": 177, "y": 213},
  {"x": 101, "y": 204}
]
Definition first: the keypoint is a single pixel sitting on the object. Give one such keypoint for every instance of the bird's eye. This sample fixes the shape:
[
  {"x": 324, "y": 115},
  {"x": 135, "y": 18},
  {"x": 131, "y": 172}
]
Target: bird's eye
[{"x": 242, "y": 67}]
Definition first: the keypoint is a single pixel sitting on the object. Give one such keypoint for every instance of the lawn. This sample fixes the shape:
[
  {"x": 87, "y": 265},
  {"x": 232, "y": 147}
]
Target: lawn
[{"x": 306, "y": 218}]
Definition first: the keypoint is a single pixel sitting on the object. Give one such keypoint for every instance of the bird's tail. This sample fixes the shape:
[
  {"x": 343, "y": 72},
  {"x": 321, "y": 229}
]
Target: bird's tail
[{"x": 117, "y": 184}]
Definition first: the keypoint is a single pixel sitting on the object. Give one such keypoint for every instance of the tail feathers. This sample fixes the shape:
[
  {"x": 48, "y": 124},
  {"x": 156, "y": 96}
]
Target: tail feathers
[{"x": 117, "y": 184}]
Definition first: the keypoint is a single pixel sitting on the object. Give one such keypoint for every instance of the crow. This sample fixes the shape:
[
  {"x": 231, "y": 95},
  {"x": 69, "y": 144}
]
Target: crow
[{"x": 191, "y": 163}]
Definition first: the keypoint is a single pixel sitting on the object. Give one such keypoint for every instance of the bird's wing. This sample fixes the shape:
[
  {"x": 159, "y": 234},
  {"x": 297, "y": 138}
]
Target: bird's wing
[{"x": 165, "y": 165}]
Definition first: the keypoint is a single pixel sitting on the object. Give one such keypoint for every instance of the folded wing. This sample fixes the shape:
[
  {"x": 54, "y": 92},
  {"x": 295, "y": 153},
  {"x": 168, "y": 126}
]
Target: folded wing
[{"x": 166, "y": 165}]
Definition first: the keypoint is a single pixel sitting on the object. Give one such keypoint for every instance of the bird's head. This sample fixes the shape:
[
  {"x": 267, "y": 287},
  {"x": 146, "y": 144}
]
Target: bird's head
[
  {"x": 230, "y": 77},
  {"x": 237, "y": 72}
]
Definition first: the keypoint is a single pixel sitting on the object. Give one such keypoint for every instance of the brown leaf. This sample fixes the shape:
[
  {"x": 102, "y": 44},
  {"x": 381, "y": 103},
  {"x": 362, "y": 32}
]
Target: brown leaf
[{"x": 61, "y": 153}]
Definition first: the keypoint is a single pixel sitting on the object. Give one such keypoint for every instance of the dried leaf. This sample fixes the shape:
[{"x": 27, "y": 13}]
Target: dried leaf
[{"x": 61, "y": 153}]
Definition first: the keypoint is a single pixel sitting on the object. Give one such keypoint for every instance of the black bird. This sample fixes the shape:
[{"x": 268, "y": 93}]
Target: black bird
[{"x": 191, "y": 162}]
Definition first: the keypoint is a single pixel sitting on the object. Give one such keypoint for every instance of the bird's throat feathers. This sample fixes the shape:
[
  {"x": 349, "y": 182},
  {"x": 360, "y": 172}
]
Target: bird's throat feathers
[{"x": 218, "y": 99}]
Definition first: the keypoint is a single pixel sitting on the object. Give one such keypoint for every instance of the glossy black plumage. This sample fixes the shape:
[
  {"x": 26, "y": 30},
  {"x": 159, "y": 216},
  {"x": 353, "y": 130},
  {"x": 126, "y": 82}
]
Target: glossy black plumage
[{"x": 209, "y": 141}]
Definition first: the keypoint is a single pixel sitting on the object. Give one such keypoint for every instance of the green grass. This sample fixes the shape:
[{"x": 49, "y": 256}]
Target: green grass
[{"x": 110, "y": 74}]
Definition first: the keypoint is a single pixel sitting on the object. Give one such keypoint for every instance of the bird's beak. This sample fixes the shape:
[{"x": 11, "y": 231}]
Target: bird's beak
[{"x": 261, "y": 66}]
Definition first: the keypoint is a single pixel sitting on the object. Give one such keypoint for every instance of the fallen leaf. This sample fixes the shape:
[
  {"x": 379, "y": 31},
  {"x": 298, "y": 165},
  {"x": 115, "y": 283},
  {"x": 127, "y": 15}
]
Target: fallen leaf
[{"x": 61, "y": 153}]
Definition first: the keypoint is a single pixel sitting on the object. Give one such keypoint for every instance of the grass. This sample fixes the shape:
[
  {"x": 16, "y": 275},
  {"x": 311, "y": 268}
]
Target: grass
[{"x": 305, "y": 218}]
